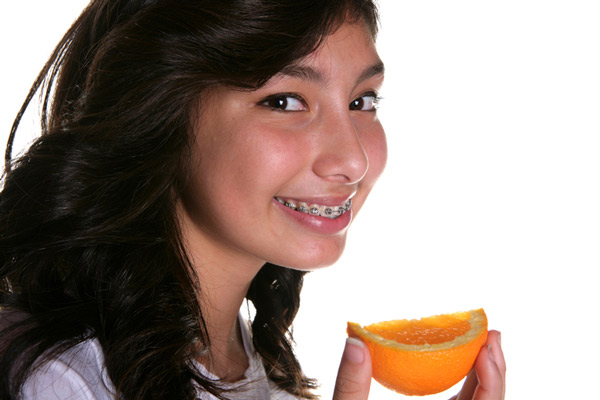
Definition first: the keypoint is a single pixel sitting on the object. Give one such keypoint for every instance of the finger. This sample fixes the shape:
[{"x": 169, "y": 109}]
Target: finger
[
  {"x": 490, "y": 369},
  {"x": 468, "y": 388},
  {"x": 354, "y": 376},
  {"x": 494, "y": 340},
  {"x": 495, "y": 343}
]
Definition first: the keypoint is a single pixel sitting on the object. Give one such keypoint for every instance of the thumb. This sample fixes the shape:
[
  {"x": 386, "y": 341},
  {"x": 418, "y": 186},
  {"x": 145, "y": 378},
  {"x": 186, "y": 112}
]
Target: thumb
[{"x": 354, "y": 376}]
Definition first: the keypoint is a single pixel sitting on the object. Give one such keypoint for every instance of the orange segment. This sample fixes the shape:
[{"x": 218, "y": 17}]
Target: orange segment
[{"x": 425, "y": 356}]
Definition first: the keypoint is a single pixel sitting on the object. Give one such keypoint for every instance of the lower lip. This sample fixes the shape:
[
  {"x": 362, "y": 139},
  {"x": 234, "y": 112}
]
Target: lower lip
[{"x": 318, "y": 224}]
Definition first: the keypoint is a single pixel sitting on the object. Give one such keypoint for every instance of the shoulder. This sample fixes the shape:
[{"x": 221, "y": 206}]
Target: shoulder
[
  {"x": 78, "y": 373},
  {"x": 262, "y": 387},
  {"x": 278, "y": 394}
]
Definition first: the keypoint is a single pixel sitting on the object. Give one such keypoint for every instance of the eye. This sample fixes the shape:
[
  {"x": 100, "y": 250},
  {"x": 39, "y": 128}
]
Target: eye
[
  {"x": 366, "y": 102},
  {"x": 284, "y": 102}
]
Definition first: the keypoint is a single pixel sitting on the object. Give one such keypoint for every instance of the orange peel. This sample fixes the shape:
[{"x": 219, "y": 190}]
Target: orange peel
[{"x": 425, "y": 356}]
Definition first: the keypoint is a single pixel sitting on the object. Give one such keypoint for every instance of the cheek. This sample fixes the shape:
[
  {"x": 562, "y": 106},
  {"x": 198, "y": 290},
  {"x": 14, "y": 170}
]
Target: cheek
[
  {"x": 273, "y": 158},
  {"x": 257, "y": 164},
  {"x": 375, "y": 146}
]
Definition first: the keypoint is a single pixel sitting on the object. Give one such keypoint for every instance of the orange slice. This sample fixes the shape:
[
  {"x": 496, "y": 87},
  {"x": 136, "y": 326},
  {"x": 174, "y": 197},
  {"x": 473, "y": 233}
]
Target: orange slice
[{"x": 426, "y": 356}]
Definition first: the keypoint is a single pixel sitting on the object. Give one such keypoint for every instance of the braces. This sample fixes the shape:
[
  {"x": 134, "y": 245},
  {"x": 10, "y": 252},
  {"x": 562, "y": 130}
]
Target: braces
[{"x": 322, "y": 211}]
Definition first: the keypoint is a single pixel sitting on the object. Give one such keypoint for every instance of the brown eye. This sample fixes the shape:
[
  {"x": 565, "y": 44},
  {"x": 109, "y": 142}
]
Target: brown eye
[
  {"x": 366, "y": 102},
  {"x": 278, "y": 102},
  {"x": 357, "y": 104},
  {"x": 284, "y": 102}
]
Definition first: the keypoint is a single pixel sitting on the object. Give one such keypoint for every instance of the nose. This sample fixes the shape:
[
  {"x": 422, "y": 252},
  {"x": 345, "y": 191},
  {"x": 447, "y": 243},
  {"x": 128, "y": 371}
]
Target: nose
[{"x": 341, "y": 157}]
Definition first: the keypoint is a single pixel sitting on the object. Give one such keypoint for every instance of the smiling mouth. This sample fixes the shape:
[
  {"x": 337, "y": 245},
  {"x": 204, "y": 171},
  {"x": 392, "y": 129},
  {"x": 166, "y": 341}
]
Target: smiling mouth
[{"x": 320, "y": 210}]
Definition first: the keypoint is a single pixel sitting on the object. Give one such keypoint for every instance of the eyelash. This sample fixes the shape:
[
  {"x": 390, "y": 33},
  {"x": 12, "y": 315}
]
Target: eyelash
[
  {"x": 279, "y": 102},
  {"x": 375, "y": 99}
]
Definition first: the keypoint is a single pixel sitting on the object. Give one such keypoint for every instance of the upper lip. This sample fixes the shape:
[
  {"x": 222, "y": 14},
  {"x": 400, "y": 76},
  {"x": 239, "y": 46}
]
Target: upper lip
[{"x": 332, "y": 201}]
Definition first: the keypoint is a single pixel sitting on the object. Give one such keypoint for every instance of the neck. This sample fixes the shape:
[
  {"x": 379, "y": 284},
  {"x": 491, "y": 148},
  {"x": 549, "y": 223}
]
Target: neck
[
  {"x": 226, "y": 356},
  {"x": 224, "y": 275}
]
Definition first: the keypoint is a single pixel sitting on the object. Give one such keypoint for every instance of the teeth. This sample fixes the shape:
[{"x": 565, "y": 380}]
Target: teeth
[
  {"x": 302, "y": 207},
  {"x": 316, "y": 209}
]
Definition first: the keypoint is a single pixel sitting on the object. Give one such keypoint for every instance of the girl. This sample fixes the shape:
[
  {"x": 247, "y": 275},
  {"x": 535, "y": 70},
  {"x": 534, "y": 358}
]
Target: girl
[{"x": 193, "y": 154}]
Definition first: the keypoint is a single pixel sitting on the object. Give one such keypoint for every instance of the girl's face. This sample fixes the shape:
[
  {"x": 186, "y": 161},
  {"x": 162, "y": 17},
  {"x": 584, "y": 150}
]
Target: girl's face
[{"x": 278, "y": 173}]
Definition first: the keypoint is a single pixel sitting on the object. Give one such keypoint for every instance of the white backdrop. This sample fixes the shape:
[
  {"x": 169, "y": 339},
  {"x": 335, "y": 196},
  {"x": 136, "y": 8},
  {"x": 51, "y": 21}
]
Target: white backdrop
[{"x": 491, "y": 196}]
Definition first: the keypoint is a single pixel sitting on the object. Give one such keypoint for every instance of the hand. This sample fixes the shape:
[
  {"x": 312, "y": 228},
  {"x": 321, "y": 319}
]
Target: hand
[
  {"x": 488, "y": 379},
  {"x": 485, "y": 382},
  {"x": 354, "y": 376}
]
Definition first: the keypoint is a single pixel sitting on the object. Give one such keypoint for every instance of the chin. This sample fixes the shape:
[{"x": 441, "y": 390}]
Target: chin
[{"x": 317, "y": 257}]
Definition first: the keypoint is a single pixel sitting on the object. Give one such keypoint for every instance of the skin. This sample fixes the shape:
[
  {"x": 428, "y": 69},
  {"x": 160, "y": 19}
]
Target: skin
[
  {"x": 485, "y": 382},
  {"x": 310, "y": 134}
]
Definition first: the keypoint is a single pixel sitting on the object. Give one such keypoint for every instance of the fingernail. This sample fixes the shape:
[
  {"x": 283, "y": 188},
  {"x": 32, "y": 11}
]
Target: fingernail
[
  {"x": 491, "y": 354},
  {"x": 500, "y": 339},
  {"x": 354, "y": 351}
]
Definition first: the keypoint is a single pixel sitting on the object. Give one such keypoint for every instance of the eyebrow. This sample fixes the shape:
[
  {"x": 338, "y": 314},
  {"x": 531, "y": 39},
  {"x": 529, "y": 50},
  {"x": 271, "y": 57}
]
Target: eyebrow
[
  {"x": 373, "y": 70},
  {"x": 308, "y": 73}
]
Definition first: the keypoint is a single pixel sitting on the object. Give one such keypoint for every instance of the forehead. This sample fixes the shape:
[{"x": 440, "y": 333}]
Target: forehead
[{"x": 349, "y": 49}]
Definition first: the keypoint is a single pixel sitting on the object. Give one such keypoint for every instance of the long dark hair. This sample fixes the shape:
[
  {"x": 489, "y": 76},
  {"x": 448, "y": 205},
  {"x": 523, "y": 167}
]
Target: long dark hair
[{"x": 89, "y": 241}]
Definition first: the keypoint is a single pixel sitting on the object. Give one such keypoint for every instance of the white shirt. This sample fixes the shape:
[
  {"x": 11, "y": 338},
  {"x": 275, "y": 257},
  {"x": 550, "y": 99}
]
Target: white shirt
[{"x": 79, "y": 374}]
